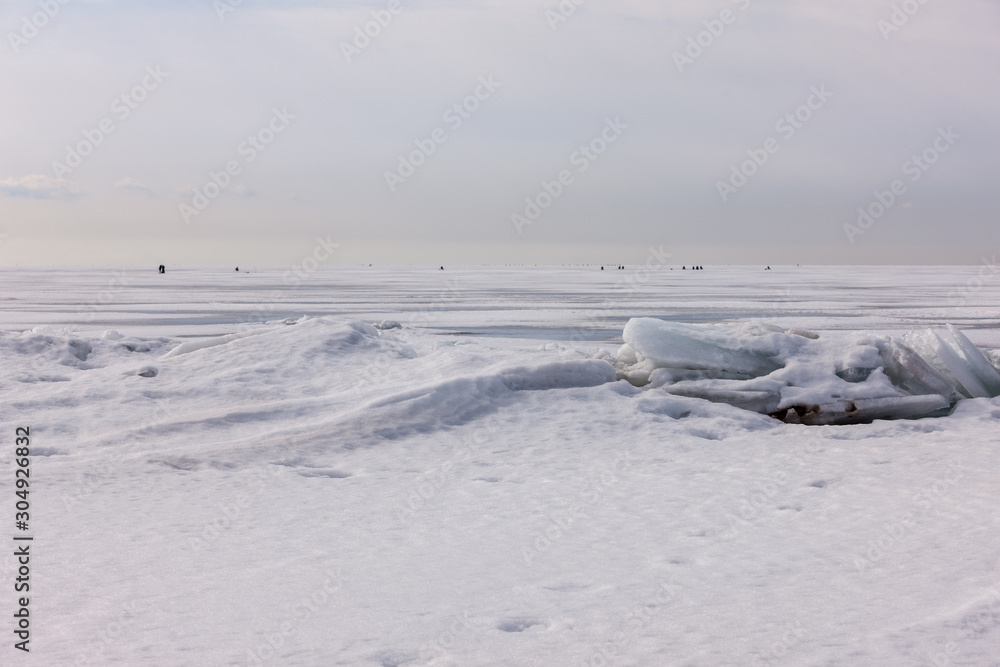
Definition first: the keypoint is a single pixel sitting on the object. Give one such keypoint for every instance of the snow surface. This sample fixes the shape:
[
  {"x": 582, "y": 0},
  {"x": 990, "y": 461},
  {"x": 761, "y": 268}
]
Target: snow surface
[{"x": 232, "y": 469}]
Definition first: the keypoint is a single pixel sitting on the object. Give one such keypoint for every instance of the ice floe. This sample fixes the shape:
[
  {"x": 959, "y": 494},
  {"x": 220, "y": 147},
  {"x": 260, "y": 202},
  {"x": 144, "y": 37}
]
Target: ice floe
[{"x": 799, "y": 377}]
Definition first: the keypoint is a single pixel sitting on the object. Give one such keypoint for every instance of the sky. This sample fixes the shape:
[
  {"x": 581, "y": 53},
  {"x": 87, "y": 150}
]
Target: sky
[{"x": 228, "y": 132}]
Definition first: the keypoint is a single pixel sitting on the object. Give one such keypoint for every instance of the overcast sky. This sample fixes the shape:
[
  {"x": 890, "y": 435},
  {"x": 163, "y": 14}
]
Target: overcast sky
[{"x": 723, "y": 132}]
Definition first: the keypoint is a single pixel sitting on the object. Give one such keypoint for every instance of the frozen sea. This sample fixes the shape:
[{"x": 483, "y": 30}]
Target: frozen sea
[{"x": 237, "y": 468}]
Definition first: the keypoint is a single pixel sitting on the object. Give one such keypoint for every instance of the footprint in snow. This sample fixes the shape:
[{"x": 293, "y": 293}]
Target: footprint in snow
[
  {"x": 394, "y": 658},
  {"x": 518, "y": 624},
  {"x": 705, "y": 435}
]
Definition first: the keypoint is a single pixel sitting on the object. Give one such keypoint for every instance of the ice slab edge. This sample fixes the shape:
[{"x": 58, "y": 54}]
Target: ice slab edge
[{"x": 798, "y": 377}]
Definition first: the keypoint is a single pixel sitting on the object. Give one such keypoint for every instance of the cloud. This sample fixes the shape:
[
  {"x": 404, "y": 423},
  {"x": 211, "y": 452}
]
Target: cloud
[
  {"x": 129, "y": 183},
  {"x": 39, "y": 186},
  {"x": 240, "y": 190}
]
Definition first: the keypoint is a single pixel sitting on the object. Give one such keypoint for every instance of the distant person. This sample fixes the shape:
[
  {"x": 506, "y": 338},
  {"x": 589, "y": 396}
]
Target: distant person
[
  {"x": 163, "y": 269},
  {"x": 602, "y": 268},
  {"x": 237, "y": 269},
  {"x": 684, "y": 268},
  {"x": 442, "y": 268}
]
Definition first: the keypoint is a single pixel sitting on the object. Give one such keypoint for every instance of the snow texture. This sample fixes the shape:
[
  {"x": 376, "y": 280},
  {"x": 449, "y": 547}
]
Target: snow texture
[{"x": 230, "y": 470}]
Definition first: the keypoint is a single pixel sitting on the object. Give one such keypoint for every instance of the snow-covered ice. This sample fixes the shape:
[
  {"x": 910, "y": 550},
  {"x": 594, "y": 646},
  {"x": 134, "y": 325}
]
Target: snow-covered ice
[
  {"x": 796, "y": 376},
  {"x": 505, "y": 466}
]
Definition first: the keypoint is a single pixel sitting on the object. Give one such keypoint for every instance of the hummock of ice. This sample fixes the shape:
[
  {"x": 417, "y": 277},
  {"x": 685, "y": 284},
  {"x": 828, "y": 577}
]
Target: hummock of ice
[{"x": 798, "y": 377}]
